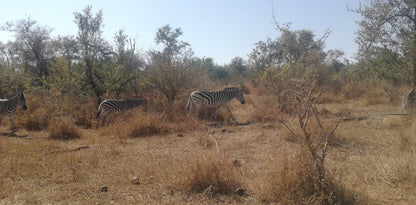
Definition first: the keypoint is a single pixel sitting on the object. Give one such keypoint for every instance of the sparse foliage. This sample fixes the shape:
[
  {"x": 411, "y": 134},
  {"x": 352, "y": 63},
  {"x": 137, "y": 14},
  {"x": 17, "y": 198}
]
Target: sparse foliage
[
  {"x": 31, "y": 46},
  {"x": 387, "y": 35},
  {"x": 92, "y": 46},
  {"x": 170, "y": 71}
]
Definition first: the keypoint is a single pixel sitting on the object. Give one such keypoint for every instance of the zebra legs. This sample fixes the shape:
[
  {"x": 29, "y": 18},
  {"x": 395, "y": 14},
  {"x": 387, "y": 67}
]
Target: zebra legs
[
  {"x": 11, "y": 122},
  {"x": 104, "y": 121},
  {"x": 11, "y": 116},
  {"x": 193, "y": 107},
  {"x": 218, "y": 109},
  {"x": 98, "y": 119}
]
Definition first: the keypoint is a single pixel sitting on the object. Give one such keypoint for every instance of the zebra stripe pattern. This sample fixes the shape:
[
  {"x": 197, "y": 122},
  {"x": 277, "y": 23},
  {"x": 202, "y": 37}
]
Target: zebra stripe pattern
[
  {"x": 118, "y": 105},
  {"x": 214, "y": 99},
  {"x": 9, "y": 106}
]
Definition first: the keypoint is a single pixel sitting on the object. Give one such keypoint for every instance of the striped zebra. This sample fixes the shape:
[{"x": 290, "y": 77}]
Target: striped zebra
[
  {"x": 118, "y": 105},
  {"x": 9, "y": 106},
  {"x": 214, "y": 99}
]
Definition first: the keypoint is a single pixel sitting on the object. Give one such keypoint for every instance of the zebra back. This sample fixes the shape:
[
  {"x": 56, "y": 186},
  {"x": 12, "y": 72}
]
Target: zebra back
[
  {"x": 116, "y": 105},
  {"x": 214, "y": 98}
]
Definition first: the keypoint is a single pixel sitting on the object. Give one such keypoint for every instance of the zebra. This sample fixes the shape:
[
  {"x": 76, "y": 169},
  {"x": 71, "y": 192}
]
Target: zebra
[
  {"x": 214, "y": 99},
  {"x": 9, "y": 106},
  {"x": 118, "y": 105}
]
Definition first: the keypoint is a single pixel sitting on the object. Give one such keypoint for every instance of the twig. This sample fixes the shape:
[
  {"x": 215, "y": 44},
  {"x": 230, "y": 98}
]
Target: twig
[
  {"x": 281, "y": 121},
  {"x": 384, "y": 114},
  {"x": 216, "y": 143},
  {"x": 70, "y": 150}
]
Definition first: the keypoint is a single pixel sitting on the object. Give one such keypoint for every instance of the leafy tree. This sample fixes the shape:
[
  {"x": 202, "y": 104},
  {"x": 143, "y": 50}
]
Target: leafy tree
[
  {"x": 292, "y": 47},
  {"x": 170, "y": 71},
  {"x": 236, "y": 68},
  {"x": 67, "y": 47},
  {"x": 93, "y": 47},
  {"x": 123, "y": 72},
  {"x": 32, "y": 46},
  {"x": 63, "y": 81},
  {"x": 388, "y": 25},
  {"x": 265, "y": 55},
  {"x": 8, "y": 53},
  {"x": 169, "y": 38},
  {"x": 333, "y": 59},
  {"x": 238, "y": 65}
]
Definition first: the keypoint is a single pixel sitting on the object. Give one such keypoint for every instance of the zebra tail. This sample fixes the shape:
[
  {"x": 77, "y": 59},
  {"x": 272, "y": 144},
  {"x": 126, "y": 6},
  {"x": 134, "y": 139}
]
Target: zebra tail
[
  {"x": 189, "y": 103},
  {"x": 98, "y": 112}
]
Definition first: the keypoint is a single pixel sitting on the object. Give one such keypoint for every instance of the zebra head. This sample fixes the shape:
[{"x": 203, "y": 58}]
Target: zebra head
[
  {"x": 145, "y": 105},
  {"x": 237, "y": 93},
  {"x": 21, "y": 100}
]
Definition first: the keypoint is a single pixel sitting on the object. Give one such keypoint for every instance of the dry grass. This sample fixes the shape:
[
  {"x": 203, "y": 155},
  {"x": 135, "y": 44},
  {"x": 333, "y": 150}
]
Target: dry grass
[
  {"x": 63, "y": 129},
  {"x": 295, "y": 181},
  {"x": 208, "y": 172},
  {"x": 42, "y": 110},
  {"x": 37, "y": 115},
  {"x": 149, "y": 158},
  {"x": 137, "y": 123}
]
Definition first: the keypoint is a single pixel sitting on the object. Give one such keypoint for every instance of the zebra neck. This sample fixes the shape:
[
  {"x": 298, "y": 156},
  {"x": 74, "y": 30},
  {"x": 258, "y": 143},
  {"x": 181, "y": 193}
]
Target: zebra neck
[
  {"x": 133, "y": 102},
  {"x": 229, "y": 95}
]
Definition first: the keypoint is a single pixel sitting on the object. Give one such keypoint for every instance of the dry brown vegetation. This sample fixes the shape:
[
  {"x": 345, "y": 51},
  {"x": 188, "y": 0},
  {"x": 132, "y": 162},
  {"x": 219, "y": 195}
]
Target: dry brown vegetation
[{"x": 153, "y": 158}]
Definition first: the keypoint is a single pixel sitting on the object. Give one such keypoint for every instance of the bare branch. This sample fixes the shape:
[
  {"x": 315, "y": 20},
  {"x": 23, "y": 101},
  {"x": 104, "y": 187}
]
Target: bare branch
[{"x": 281, "y": 121}]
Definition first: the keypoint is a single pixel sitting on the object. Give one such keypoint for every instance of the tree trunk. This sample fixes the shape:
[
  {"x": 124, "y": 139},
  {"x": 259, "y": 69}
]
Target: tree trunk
[
  {"x": 414, "y": 47},
  {"x": 90, "y": 78}
]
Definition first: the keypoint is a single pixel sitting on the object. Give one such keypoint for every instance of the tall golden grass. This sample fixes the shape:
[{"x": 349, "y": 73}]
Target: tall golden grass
[
  {"x": 295, "y": 182},
  {"x": 63, "y": 129}
]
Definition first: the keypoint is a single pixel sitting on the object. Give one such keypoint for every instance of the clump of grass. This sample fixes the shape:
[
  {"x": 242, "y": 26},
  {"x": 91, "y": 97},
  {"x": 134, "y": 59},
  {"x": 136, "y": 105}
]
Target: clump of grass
[
  {"x": 297, "y": 182},
  {"x": 36, "y": 120},
  {"x": 63, "y": 129},
  {"x": 209, "y": 173}
]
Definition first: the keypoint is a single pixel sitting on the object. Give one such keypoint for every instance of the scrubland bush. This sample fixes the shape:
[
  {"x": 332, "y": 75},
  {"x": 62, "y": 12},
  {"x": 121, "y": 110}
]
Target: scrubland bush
[
  {"x": 37, "y": 115},
  {"x": 266, "y": 110},
  {"x": 42, "y": 109},
  {"x": 63, "y": 129},
  {"x": 296, "y": 181},
  {"x": 280, "y": 86}
]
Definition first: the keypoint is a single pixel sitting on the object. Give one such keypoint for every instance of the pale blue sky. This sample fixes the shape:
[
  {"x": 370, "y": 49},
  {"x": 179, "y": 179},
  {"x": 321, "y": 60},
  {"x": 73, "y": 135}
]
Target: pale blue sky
[{"x": 221, "y": 29}]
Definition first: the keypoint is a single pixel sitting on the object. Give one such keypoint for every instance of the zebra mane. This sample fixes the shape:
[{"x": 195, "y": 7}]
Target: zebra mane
[
  {"x": 18, "y": 95},
  {"x": 136, "y": 99},
  {"x": 230, "y": 89}
]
